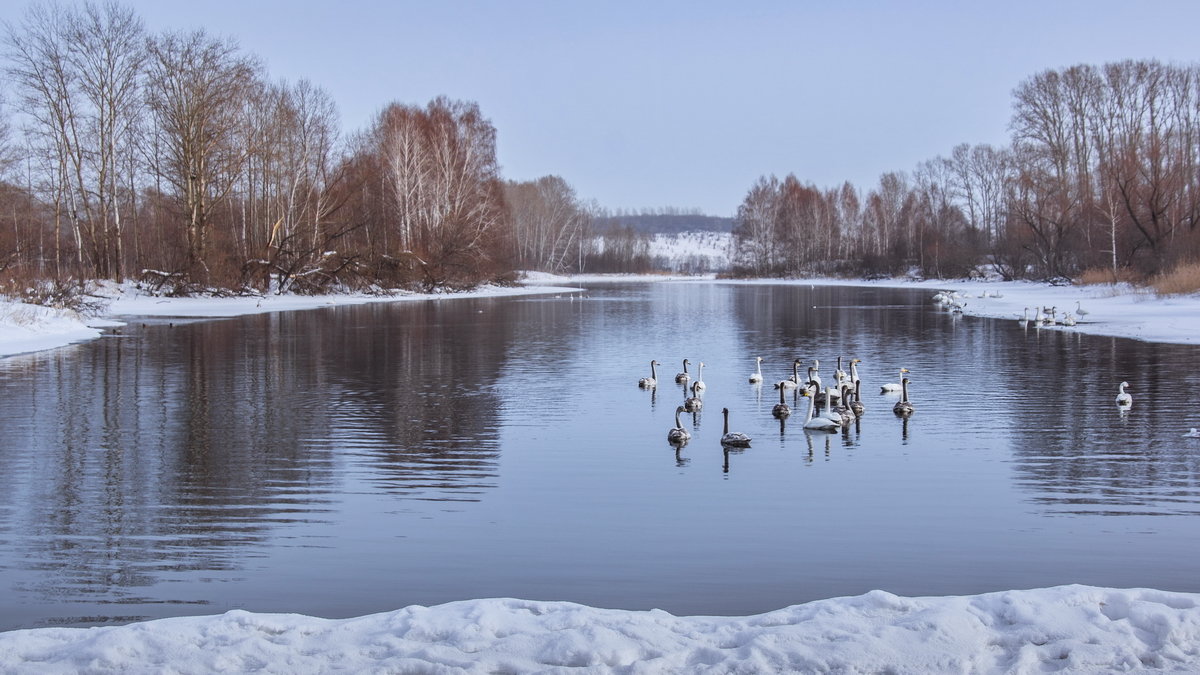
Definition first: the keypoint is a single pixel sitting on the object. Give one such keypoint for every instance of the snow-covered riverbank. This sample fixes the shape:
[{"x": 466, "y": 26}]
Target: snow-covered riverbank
[
  {"x": 1067, "y": 629},
  {"x": 28, "y": 328}
]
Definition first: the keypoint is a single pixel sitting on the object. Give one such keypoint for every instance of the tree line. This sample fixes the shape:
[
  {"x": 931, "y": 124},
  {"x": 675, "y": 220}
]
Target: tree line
[
  {"x": 174, "y": 159},
  {"x": 1102, "y": 173}
]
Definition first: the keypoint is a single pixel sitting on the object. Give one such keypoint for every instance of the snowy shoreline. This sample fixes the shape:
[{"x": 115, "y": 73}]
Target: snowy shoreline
[{"x": 1066, "y": 629}]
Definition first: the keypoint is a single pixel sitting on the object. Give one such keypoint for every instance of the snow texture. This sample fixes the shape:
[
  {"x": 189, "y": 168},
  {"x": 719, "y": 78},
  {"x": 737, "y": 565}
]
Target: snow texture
[{"x": 1067, "y": 629}]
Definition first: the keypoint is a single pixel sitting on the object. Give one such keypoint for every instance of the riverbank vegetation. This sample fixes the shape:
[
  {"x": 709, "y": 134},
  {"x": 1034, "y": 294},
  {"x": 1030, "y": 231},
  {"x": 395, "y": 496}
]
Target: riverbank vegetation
[
  {"x": 1101, "y": 180},
  {"x": 176, "y": 160}
]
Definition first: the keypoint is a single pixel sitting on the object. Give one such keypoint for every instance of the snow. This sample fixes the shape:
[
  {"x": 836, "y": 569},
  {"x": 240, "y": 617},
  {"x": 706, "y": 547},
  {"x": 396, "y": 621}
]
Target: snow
[
  {"x": 1066, "y": 629},
  {"x": 1069, "y": 629},
  {"x": 29, "y": 328}
]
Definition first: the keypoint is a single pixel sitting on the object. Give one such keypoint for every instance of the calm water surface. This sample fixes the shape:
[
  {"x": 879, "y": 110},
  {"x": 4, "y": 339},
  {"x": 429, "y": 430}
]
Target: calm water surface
[{"x": 350, "y": 460}]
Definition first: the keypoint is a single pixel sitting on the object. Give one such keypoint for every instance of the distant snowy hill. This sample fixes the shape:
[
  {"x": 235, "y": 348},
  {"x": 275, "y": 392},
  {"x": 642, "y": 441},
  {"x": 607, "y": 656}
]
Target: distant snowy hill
[
  {"x": 691, "y": 252},
  {"x": 667, "y": 223}
]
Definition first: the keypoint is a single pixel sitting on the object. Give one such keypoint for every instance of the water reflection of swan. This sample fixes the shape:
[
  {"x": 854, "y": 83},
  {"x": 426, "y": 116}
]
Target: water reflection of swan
[
  {"x": 678, "y": 435},
  {"x": 903, "y": 407},
  {"x": 683, "y": 377},
  {"x": 893, "y": 386},
  {"x": 756, "y": 376},
  {"x": 695, "y": 403},
  {"x": 651, "y": 381},
  {"x": 734, "y": 438},
  {"x": 1124, "y": 399},
  {"x": 811, "y": 422},
  {"x": 781, "y": 409}
]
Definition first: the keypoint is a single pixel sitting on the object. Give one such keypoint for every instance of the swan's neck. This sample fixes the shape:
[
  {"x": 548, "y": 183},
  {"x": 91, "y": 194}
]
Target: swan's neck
[
  {"x": 677, "y": 424},
  {"x": 758, "y": 367},
  {"x": 904, "y": 390},
  {"x": 653, "y": 372},
  {"x": 812, "y": 404},
  {"x": 726, "y": 413},
  {"x": 781, "y": 401}
]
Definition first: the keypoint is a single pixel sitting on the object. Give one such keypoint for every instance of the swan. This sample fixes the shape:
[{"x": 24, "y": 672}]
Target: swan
[
  {"x": 781, "y": 409},
  {"x": 839, "y": 375},
  {"x": 1068, "y": 319},
  {"x": 756, "y": 376},
  {"x": 1080, "y": 310},
  {"x": 1193, "y": 433},
  {"x": 678, "y": 435},
  {"x": 733, "y": 438},
  {"x": 893, "y": 386},
  {"x": 814, "y": 376},
  {"x": 699, "y": 383},
  {"x": 903, "y": 407},
  {"x": 695, "y": 403},
  {"x": 845, "y": 411},
  {"x": 854, "y": 379},
  {"x": 811, "y": 422},
  {"x": 1024, "y": 320},
  {"x": 857, "y": 405},
  {"x": 829, "y": 412},
  {"x": 683, "y": 377},
  {"x": 1124, "y": 399},
  {"x": 794, "y": 381},
  {"x": 652, "y": 381}
]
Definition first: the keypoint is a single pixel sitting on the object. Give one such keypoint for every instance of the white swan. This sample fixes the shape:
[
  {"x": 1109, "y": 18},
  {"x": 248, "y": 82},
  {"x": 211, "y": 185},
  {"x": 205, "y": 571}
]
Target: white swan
[
  {"x": 1068, "y": 319},
  {"x": 1080, "y": 310},
  {"x": 733, "y": 438},
  {"x": 678, "y": 435},
  {"x": 1124, "y": 399},
  {"x": 854, "y": 379},
  {"x": 794, "y": 380},
  {"x": 699, "y": 383},
  {"x": 903, "y": 407},
  {"x": 1193, "y": 433},
  {"x": 829, "y": 412},
  {"x": 893, "y": 386},
  {"x": 781, "y": 409},
  {"x": 756, "y": 376},
  {"x": 683, "y": 377},
  {"x": 652, "y": 381},
  {"x": 1024, "y": 320},
  {"x": 695, "y": 403},
  {"x": 811, "y": 422}
]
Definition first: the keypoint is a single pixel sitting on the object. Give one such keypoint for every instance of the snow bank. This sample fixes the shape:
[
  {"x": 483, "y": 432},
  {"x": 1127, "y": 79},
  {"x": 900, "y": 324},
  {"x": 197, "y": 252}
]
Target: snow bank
[
  {"x": 1067, "y": 629},
  {"x": 30, "y": 328}
]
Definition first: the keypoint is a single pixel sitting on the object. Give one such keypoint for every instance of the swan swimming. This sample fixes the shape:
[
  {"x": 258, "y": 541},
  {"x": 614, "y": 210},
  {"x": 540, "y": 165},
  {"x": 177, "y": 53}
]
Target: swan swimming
[
  {"x": 794, "y": 381},
  {"x": 695, "y": 403},
  {"x": 652, "y": 381},
  {"x": 678, "y": 435},
  {"x": 1124, "y": 399},
  {"x": 699, "y": 383},
  {"x": 781, "y": 409},
  {"x": 893, "y": 386},
  {"x": 756, "y": 376},
  {"x": 1193, "y": 433},
  {"x": 811, "y": 422},
  {"x": 683, "y": 377},
  {"x": 733, "y": 438},
  {"x": 857, "y": 405},
  {"x": 903, "y": 407}
]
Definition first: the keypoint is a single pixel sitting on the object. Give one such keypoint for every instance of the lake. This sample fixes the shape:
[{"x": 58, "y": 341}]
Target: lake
[{"x": 357, "y": 459}]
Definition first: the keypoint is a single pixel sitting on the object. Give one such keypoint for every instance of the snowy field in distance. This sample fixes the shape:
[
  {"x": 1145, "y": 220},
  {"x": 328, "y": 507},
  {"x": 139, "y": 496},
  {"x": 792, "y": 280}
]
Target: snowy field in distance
[{"x": 1066, "y": 629}]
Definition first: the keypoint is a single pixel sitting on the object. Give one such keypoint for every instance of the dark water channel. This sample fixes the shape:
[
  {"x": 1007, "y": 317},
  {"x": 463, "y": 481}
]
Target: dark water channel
[{"x": 350, "y": 460}]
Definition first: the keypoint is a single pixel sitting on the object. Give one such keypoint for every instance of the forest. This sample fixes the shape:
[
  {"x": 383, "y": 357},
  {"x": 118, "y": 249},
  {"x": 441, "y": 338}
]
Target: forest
[
  {"x": 1101, "y": 180},
  {"x": 173, "y": 159}
]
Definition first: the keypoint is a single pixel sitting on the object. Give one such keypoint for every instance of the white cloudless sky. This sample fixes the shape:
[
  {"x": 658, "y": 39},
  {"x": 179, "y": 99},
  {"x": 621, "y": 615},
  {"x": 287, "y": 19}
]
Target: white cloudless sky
[{"x": 650, "y": 104}]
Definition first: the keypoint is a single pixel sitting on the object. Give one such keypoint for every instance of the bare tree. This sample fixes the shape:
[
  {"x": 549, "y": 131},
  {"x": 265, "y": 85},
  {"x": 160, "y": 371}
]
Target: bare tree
[{"x": 196, "y": 90}]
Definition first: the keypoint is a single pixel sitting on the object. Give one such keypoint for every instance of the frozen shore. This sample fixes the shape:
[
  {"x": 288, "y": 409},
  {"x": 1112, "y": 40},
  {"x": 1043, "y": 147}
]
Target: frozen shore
[{"x": 1066, "y": 629}]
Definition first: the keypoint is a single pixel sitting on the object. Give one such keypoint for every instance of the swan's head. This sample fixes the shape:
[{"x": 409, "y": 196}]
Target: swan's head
[
  {"x": 758, "y": 359},
  {"x": 855, "y": 360},
  {"x": 904, "y": 370},
  {"x": 1124, "y": 385},
  {"x": 686, "y": 362},
  {"x": 680, "y": 409}
]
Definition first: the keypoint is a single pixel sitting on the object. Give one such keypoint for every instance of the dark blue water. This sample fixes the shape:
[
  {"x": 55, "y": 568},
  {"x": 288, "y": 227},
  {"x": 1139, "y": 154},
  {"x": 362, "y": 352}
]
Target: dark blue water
[{"x": 349, "y": 460}]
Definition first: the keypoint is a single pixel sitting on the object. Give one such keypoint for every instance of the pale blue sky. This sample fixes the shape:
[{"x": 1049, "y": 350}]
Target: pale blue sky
[{"x": 648, "y": 104}]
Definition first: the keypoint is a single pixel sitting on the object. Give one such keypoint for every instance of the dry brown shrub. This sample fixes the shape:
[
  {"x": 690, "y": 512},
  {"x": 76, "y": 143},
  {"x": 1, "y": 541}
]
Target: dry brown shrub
[
  {"x": 1185, "y": 278},
  {"x": 1104, "y": 275}
]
